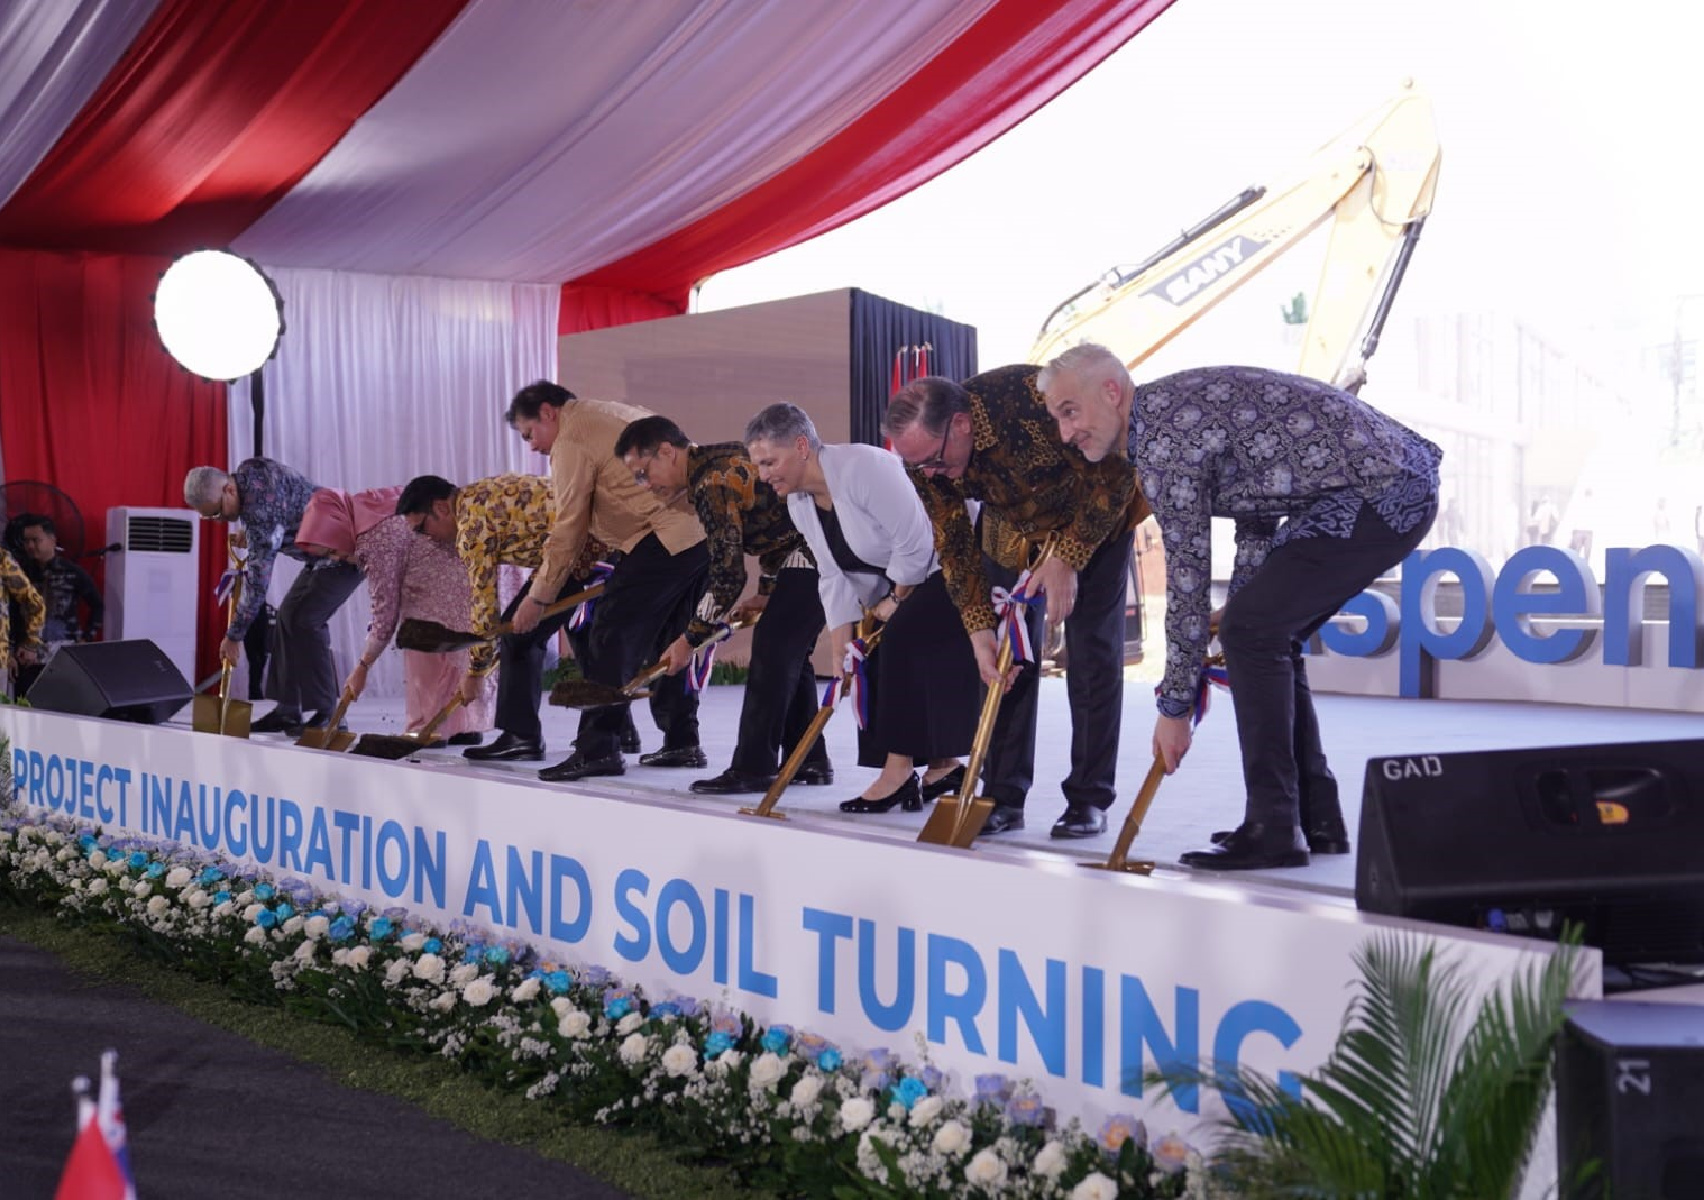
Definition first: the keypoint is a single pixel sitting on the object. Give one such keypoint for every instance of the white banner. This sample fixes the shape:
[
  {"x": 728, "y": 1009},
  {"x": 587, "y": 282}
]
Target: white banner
[{"x": 1029, "y": 966}]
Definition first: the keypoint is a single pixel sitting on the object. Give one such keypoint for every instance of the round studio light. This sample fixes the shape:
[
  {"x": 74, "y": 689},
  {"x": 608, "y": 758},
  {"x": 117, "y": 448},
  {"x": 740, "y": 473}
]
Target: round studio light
[{"x": 218, "y": 315}]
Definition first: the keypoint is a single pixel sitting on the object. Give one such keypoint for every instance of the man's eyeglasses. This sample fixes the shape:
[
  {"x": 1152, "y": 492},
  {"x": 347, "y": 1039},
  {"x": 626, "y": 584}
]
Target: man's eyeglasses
[
  {"x": 642, "y": 475},
  {"x": 938, "y": 460}
]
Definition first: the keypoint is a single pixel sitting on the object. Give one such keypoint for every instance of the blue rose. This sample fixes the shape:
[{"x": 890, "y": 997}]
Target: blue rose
[
  {"x": 342, "y": 929},
  {"x": 432, "y": 945},
  {"x": 618, "y": 1008},
  {"x": 266, "y": 918},
  {"x": 829, "y": 1060},
  {"x": 285, "y": 911},
  {"x": 557, "y": 982},
  {"x": 138, "y": 860},
  {"x": 717, "y": 1044},
  {"x": 909, "y": 1091},
  {"x": 992, "y": 1089},
  {"x": 263, "y": 891},
  {"x": 211, "y": 876},
  {"x": 87, "y": 842},
  {"x": 666, "y": 1008},
  {"x": 776, "y": 1038},
  {"x": 221, "y": 897},
  {"x": 155, "y": 870},
  {"x": 497, "y": 956},
  {"x": 381, "y": 928}
]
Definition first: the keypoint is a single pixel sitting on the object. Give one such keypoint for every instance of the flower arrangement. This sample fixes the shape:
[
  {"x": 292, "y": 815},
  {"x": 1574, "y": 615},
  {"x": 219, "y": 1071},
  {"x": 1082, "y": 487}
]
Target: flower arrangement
[{"x": 784, "y": 1108}]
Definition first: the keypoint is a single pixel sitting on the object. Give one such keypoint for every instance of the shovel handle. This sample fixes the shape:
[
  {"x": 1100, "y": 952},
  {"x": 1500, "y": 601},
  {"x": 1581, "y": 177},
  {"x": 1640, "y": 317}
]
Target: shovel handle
[
  {"x": 1138, "y": 813},
  {"x": 343, "y": 703},
  {"x": 659, "y": 668},
  {"x": 560, "y": 606},
  {"x": 425, "y": 735}
]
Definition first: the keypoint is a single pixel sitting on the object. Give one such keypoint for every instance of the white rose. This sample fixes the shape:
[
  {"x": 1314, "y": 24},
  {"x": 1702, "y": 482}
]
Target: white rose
[
  {"x": 478, "y": 993},
  {"x": 293, "y": 925},
  {"x": 223, "y": 910},
  {"x": 528, "y": 990},
  {"x": 357, "y": 957},
  {"x": 952, "y": 1139},
  {"x": 629, "y": 1023},
  {"x": 64, "y": 855},
  {"x": 680, "y": 1059},
  {"x": 560, "y": 1006},
  {"x": 114, "y": 866},
  {"x": 1049, "y": 1161},
  {"x": 179, "y": 876},
  {"x": 443, "y": 1002},
  {"x": 413, "y": 941},
  {"x": 1095, "y": 1187},
  {"x": 253, "y": 911},
  {"x": 465, "y": 973},
  {"x": 925, "y": 1111},
  {"x": 340, "y": 957},
  {"x": 805, "y": 1091},
  {"x": 305, "y": 952},
  {"x": 429, "y": 967},
  {"x": 197, "y": 899},
  {"x": 730, "y": 1060},
  {"x": 98, "y": 859},
  {"x": 97, "y": 887},
  {"x": 315, "y": 927},
  {"x": 766, "y": 1070},
  {"x": 634, "y": 1049},
  {"x": 142, "y": 889},
  {"x": 255, "y": 936},
  {"x": 158, "y": 905},
  {"x": 246, "y": 896},
  {"x": 396, "y": 972},
  {"x": 985, "y": 1170},
  {"x": 856, "y": 1113},
  {"x": 574, "y": 1024}
]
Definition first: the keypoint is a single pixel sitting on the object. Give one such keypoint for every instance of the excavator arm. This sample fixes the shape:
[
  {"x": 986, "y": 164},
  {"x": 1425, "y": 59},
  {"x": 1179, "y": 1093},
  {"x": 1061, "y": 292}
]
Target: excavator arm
[{"x": 1374, "y": 182}]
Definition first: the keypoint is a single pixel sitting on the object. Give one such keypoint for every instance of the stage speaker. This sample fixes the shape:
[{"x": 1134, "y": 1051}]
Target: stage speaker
[
  {"x": 1630, "y": 1101},
  {"x": 1521, "y": 841},
  {"x": 126, "y": 681}
]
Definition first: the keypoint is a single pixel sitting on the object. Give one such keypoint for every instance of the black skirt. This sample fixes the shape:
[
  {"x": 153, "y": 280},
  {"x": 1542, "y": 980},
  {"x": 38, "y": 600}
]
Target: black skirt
[{"x": 925, "y": 692}]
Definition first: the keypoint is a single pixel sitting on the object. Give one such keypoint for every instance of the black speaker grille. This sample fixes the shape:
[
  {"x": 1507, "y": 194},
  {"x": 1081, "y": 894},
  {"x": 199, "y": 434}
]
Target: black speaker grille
[{"x": 160, "y": 535}]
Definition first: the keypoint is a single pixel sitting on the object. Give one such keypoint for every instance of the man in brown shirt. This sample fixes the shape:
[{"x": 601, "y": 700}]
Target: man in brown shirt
[
  {"x": 648, "y": 600},
  {"x": 993, "y": 440}
]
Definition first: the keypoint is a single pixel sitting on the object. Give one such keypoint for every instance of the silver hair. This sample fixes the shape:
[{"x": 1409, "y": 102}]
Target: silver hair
[
  {"x": 1087, "y": 362},
  {"x": 780, "y": 424},
  {"x": 202, "y": 487}
]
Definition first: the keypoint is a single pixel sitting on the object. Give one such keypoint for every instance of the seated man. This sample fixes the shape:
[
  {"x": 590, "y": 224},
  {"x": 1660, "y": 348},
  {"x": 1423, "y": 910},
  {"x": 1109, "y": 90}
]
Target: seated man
[
  {"x": 1356, "y": 492},
  {"x": 62, "y": 584},
  {"x": 742, "y": 515},
  {"x": 269, "y": 499}
]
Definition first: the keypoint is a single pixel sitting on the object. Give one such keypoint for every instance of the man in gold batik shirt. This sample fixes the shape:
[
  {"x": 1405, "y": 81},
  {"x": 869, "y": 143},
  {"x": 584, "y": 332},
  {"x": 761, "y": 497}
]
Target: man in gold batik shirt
[
  {"x": 992, "y": 440},
  {"x": 32, "y": 610}
]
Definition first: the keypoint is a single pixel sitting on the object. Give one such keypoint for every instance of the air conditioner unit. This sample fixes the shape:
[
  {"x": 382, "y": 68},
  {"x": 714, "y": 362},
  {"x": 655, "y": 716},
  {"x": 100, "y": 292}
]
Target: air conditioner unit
[{"x": 153, "y": 578}]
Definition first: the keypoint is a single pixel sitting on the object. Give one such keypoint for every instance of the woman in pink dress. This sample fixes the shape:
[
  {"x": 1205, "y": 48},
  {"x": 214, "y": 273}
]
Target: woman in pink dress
[{"x": 408, "y": 577}]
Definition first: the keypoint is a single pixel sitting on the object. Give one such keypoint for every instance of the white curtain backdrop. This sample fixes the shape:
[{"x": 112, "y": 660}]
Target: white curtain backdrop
[{"x": 382, "y": 378}]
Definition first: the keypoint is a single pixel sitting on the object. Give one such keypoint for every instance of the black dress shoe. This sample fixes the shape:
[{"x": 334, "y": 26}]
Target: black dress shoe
[
  {"x": 319, "y": 721},
  {"x": 1004, "y": 819},
  {"x": 630, "y": 741},
  {"x": 946, "y": 785},
  {"x": 732, "y": 783},
  {"x": 905, "y": 795},
  {"x": 1253, "y": 846},
  {"x": 470, "y": 738},
  {"x": 682, "y": 756},
  {"x": 279, "y": 720},
  {"x": 507, "y": 748},
  {"x": 1080, "y": 821},
  {"x": 577, "y": 766},
  {"x": 814, "y": 775},
  {"x": 1320, "y": 841}
]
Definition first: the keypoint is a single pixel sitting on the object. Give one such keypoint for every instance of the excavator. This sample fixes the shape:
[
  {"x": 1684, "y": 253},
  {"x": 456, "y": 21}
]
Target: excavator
[{"x": 1375, "y": 181}]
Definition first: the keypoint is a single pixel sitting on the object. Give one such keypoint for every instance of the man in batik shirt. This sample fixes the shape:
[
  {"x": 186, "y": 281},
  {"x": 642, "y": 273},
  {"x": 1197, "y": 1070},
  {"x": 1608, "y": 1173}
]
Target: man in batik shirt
[
  {"x": 742, "y": 515},
  {"x": 992, "y": 441},
  {"x": 32, "y": 611},
  {"x": 268, "y": 498},
  {"x": 1356, "y": 491}
]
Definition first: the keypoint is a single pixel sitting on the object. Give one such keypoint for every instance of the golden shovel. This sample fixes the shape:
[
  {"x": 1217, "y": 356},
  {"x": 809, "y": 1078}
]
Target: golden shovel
[
  {"x": 956, "y": 820},
  {"x": 220, "y": 714},
  {"x": 795, "y": 760},
  {"x": 433, "y": 638},
  {"x": 329, "y": 736},
  {"x": 395, "y": 746},
  {"x": 589, "y": 693}
]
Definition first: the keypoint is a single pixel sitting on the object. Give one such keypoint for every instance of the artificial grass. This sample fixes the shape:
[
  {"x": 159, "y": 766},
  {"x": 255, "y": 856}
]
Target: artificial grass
[{"x": 636, "y": 1163}]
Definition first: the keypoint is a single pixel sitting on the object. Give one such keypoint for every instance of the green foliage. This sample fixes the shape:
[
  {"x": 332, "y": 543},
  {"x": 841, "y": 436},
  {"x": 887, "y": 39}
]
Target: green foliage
[
  {"x": 1295, "y": 312},
  {"x": 1423, "y": 1098}
]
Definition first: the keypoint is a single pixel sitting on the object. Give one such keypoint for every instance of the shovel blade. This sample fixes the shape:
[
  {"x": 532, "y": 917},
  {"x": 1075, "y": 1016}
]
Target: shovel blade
[
  {"x": 587, "y": 693},
  {"x": 204, "y": 716},
  {"x": 391, "y": 747},
  {"x": 432, "y": 638},
  {"x": 956, "y": 822}
]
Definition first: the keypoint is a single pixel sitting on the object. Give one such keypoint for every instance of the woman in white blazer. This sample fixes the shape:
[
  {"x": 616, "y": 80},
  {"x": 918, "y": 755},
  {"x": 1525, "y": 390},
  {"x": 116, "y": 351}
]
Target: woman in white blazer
[{"x": 875, "y": 550}]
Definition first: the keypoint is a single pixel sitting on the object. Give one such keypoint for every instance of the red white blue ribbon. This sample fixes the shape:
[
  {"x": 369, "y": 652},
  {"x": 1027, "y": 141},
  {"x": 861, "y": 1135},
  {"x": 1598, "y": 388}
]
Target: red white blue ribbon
[
  {"x": 856, "y": 669},
  {"x": 703, "y": 659},
  {"x": 1010, "y": 609},
  {"x": 1211, "y": 677},
  {"x": 227, "y": 581},
  {"x": 582, "y": 616},
  {"x": 831, "y": 693}
]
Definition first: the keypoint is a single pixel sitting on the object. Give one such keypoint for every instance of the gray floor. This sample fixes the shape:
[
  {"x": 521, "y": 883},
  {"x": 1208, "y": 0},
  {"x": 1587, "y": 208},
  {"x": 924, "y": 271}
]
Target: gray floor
[{"x": 1206, "y": 794}]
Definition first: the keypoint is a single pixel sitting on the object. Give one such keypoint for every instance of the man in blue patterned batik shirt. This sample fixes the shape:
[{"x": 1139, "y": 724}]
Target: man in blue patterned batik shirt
[{"x": 1355, "y": 492}]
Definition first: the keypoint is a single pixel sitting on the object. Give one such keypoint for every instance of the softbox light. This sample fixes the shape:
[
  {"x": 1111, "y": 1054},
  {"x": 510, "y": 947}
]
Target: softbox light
[{"x": 218, "y": 315}]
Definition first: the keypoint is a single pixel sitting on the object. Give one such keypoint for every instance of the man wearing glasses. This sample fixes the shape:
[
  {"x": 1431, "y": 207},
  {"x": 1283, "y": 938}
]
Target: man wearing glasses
[
  {"x": 268, "y": 498},
  {"x": 646, "y": 603},
  {"x": 992, "y": 440}
]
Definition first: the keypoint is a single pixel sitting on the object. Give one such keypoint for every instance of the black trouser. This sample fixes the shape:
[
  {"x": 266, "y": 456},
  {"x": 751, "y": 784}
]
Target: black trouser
[
  {"x": 1285, "y": 601},
  {"x": 647, "y": 604},
  {"x": 1094, "y": 687},
  {"x": 780, "y": 692},
  {"x": 302, "y": 677},
  {"x": 520, "y": 658}
]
